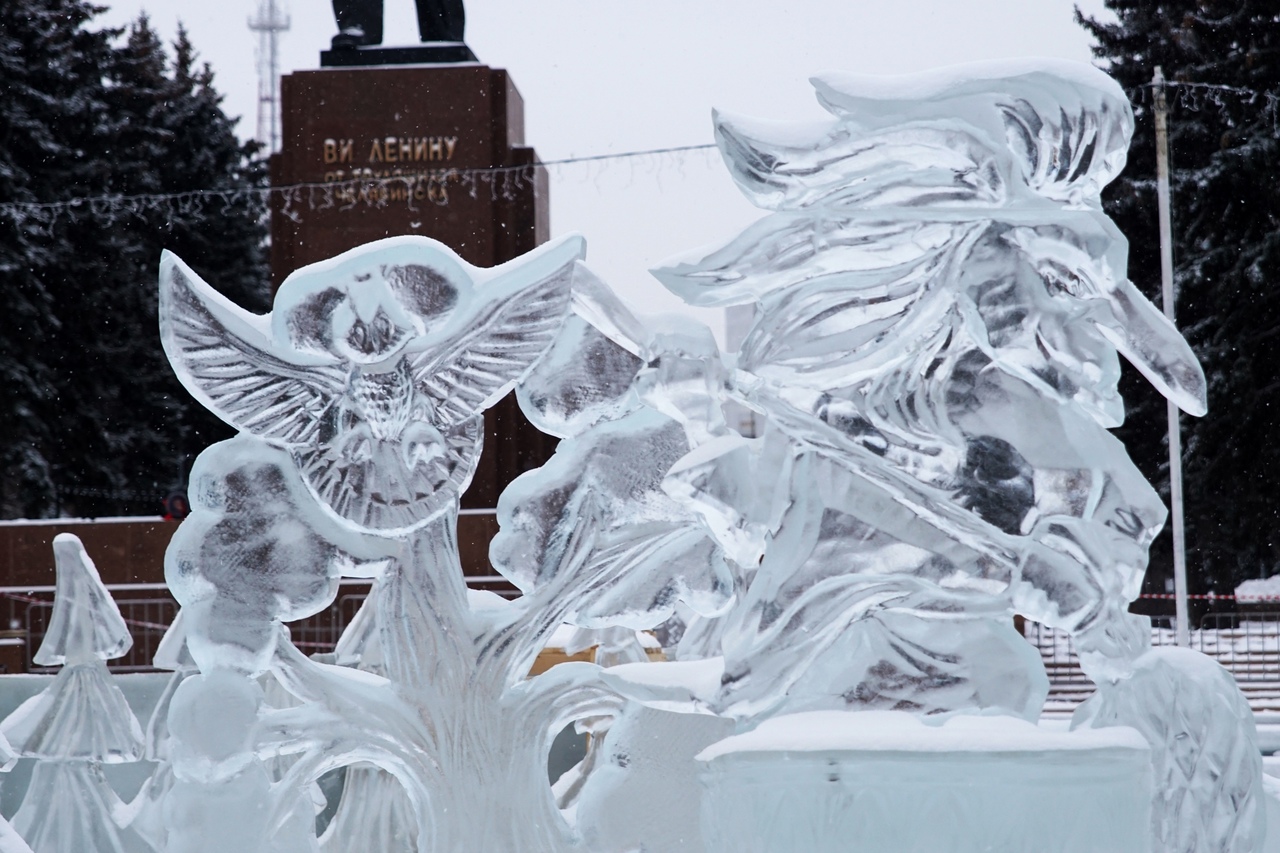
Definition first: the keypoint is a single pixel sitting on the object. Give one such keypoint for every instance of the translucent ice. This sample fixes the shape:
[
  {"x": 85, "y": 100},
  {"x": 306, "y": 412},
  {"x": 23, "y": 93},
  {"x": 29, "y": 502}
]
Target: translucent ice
[
  {"x": 644, "y": 553},
  {"x": 256, "y": 551},
  {"x": 940, "y": 301},
  {"x": 374, "y": 810},
  {"x": 372, "y": 368},
  {"x": 82, "y": 716},
  {"x": 86, "y": 623},
  {"x": 831, "y": 781},
  {"x": 940, "y": 306},
  {"x": 360, "y": 401},
  {"x": 1208, "y": 771},
  {"x": 212, "y": 720},
  {"x": 10, "y": 841},
  {"x": 78, "y": 722}
]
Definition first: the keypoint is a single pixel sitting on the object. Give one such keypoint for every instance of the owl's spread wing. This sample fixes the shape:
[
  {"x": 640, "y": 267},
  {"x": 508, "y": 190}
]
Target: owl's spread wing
[
  {"x": 225, "y": 358},
  {"x": 498, "y": 347}
]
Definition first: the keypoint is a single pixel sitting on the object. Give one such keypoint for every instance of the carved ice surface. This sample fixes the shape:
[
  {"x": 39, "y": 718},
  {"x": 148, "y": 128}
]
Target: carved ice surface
[
  {"x": 360, "y": 401},
  {"x": 940, "y": 305},
  {"x": 893, "y": 782},
  {"x": 79, "y": 722},
  {"x": 1208, "y": 771},
  {"x": 373, "y": 368},
  {"x": 940, "y": 302}
]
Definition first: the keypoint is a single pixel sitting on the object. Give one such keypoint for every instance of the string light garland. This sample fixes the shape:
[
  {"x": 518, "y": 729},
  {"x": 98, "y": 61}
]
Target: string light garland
[
  {"x": 1199, "y": 97},
  {"x": 422, "y": 189}
]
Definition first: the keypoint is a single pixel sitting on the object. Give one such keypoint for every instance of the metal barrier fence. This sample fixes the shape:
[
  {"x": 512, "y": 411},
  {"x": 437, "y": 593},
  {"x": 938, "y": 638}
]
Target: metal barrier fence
[
  {"x": 149, "y": 609},
  {"x": 1247, "y": 644}
]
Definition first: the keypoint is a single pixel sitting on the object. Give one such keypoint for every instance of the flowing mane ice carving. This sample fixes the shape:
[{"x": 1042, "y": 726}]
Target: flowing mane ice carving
[{"x": 940, "y": 301}]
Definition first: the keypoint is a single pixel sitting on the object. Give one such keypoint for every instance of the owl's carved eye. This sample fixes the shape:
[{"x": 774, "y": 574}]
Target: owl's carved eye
[
  {"x": 358, "y": 337},
  {"x": 382, "y": 329}
]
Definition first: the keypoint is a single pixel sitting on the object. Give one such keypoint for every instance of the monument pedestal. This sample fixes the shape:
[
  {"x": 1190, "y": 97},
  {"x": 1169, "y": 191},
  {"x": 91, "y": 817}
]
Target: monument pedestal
[
  {"x": 382, "y": 151},
  {"x": 431, "y": 52}
]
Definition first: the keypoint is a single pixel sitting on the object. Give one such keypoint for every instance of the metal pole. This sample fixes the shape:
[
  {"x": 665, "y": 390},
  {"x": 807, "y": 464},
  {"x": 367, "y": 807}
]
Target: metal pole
[
  {"x": 269, "y": 23},
  {"x": 1175, "y": 430}
]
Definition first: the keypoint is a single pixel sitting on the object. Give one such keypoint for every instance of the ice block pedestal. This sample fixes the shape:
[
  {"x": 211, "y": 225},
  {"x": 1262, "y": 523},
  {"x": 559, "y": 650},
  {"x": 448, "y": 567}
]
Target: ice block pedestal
[{"x": 889, "y": 782}]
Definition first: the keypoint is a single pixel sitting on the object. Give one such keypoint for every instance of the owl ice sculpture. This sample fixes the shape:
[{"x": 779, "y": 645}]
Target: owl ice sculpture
[
  {"x": 359, "y": 400},
  {"x": 373, "y": 368}
]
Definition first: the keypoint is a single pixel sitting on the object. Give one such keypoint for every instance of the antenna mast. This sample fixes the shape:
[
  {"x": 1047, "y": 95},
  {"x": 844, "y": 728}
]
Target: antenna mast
[{"x": 270, "y": 21}]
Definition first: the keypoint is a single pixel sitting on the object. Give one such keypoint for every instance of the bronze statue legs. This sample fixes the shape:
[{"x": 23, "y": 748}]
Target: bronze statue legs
[
  {"x": 360, "y": 21},
  {"x": 441, "y": 20}
]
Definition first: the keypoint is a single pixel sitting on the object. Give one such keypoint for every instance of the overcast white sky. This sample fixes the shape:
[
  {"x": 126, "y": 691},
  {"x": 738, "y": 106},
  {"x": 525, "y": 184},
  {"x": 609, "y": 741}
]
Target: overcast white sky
[{"x": 603, "y": 76}]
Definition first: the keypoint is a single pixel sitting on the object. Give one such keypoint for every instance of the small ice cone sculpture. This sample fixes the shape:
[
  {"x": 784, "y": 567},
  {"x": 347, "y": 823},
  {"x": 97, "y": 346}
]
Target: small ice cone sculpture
[
  {"x": 82, "y": 715},
  {"x": 86, "y": 623},
  {"x": 80, "y": 721}
]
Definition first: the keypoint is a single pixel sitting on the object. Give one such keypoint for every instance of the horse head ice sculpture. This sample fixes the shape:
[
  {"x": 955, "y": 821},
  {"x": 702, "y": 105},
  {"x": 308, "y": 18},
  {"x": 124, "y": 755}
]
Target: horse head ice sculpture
[{"x": 940, "y": 302}]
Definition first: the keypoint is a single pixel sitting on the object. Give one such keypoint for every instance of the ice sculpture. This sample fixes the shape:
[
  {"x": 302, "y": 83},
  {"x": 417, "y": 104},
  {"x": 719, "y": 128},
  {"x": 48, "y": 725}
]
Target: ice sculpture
[
  {"x": 1207, "y": 765},
  {"x": 359, "y": 400},
  {"x": 10, "y": 841},
  {"x": 940, "y": 302},
  {"x": 172, "y": 655},
  {"x": 79, "y": 722},
  {"x": 890, "y": 781},
  {"x": 940, "y": 307},
  {"x": 374, "y": 811}
]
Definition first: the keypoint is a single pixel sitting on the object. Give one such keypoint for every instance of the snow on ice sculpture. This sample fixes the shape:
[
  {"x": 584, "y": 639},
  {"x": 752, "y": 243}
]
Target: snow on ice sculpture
[
  {"x": 940, "y": 303},
  {"x": 359, "y": 400},
  {"x": 78, "y": 723},
  {"x": 891, "y": 781}
]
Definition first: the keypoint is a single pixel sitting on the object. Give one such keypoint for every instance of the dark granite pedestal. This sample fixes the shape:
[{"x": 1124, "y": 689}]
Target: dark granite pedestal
[{"x": 431, "y": 53}]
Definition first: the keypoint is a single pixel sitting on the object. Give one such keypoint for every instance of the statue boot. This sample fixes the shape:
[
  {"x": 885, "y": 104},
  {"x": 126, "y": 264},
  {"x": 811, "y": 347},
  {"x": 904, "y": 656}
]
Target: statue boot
[{"x": 359, "y": 23}]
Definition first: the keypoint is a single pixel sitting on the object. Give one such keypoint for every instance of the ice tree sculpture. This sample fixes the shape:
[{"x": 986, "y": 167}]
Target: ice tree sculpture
[
  {"x": 78, "y": 723},
  {"x": 940, "y": 303},
  {"x": 172, "y": 655},
  {"x": 374, "y": 811},
  {"x": 360, "y": 401}
]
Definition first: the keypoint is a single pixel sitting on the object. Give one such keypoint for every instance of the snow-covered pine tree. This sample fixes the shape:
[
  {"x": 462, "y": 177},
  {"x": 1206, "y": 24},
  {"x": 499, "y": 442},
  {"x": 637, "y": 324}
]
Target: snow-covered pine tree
[
  {"x": 91, "y": 404},
  {"x": 1225, "y": 149},
  {"x": 51, "y": 103}
]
